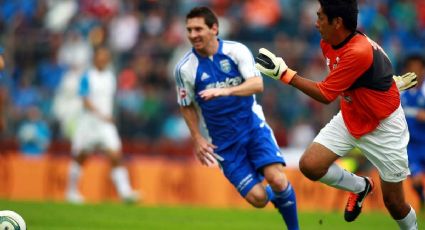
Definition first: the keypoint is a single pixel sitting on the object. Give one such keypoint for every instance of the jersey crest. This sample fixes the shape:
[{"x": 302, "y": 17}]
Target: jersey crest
[{"x": 225, "y": 66}]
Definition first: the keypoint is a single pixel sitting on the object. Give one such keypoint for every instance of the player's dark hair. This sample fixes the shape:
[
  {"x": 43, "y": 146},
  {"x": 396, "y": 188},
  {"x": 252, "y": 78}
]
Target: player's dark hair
[
  {"x": 414, "y": 57},
  {"x": 203, "y": 12},
  {"x": 345, "y": 9}
]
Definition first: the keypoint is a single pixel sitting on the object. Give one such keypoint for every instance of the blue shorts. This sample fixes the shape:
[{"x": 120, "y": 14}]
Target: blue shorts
[
  {"x": 416, "y": 156},
  {"x": 244, "y": 159}
]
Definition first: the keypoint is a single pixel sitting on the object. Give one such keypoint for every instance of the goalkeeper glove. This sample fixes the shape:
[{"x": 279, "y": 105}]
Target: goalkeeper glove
[
  {"x": 405, "y": 81},
  {"x": 272, "y": 66}
]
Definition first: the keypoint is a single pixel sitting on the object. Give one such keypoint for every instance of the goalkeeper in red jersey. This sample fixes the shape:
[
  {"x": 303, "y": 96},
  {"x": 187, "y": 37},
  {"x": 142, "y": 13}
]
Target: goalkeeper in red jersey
[{"x": 370, "y": 118}]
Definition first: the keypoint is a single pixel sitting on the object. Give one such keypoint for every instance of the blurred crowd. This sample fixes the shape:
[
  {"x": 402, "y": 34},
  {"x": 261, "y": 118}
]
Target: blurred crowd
[{"x": 48, "y": 46}]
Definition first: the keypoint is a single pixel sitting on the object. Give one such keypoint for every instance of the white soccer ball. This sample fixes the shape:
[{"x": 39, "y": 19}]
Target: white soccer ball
[{"x": 10, "y": 220}]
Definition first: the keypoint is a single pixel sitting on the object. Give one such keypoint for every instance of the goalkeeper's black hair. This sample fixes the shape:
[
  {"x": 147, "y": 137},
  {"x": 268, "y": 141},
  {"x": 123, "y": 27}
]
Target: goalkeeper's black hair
[
  {"x": 203, "y": 12},
  {"x": 345, "y": 9}
]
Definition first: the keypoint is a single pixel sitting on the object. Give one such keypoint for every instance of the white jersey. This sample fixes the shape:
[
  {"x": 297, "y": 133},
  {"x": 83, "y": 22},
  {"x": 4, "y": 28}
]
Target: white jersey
[
  {"x": 99, "y": 88},
  {"x": 93, "y": 132}
]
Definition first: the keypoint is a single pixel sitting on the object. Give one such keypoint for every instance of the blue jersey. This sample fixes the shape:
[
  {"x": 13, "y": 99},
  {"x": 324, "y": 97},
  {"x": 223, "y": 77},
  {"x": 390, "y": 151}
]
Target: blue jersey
[
  {"x": 227, "y": 119},
  {"x": 235, "y": 124},
  {"x": 413, "y": 100}
]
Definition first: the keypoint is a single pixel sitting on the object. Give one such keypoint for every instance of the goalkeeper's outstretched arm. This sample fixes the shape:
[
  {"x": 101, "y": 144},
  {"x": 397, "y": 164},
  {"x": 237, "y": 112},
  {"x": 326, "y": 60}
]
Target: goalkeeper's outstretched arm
[
  {"x": 309, "y": 87},
  {"x": 276, "y": 68}
]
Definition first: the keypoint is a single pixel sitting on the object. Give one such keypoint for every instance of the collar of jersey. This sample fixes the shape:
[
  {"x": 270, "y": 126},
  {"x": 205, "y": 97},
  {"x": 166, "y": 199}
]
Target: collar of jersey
[
  {"x": 346, "y": 40},
  {"x": 220, "y": 47}
]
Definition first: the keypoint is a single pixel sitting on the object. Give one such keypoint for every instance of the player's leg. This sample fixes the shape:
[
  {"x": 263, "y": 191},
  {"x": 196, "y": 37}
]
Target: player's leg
[
  {"x": 120, "y": 178},
  {"x": 395, "y": 202},
  {"x": 264, "y": 154},
  {"x": 119, "y": 174},
  {"x": 243, "y": 176},
  {"x": 318, "y": 163},
  {"x": 258, "y": 196},
  {"x": 81, "y": 143},
  {"x": 75, "y": 170},
  {"x": 386, "y": 148},
  {"x": 247, "y": 180},
  {"x": 283, "y": 195}
]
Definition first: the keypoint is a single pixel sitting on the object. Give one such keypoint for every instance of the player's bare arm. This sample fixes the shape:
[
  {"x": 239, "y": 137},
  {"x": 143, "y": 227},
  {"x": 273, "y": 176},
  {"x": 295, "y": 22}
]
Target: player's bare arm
[
  {"x": 309, "y": 87},
  {"x": 249, "y": 87},
  {"x": 203, "y": 148}
]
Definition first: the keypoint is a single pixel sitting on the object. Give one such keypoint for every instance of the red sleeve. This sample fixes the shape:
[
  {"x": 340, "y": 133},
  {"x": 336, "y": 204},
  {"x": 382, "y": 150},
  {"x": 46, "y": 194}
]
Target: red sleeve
[{"x": 354, "y": 61}]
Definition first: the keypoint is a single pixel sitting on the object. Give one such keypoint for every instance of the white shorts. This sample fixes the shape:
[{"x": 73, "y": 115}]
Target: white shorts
[
  {"x": 385, "y": 147},
  {"x": 93, "y": 133}
]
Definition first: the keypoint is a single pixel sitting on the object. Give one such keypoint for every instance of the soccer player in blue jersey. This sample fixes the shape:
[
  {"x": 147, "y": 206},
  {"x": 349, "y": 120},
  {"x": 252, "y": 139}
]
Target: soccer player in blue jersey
[
  {"x": 413, "y": 102},
  {"x": 216, "y": 82}
]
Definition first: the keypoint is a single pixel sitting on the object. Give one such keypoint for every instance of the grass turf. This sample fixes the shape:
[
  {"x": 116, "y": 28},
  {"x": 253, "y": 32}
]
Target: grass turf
[{"x": 58, "y": 216}]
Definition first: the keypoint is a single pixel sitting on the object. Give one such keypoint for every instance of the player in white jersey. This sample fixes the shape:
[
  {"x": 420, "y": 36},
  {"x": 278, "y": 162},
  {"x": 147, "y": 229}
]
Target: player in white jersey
[
  {"x": 216, "y": 82},
  {"x": 96, "y": 130}
]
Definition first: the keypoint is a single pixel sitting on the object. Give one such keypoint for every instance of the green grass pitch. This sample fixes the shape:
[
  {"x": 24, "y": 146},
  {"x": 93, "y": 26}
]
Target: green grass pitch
[{"x": 58, "y": 216}]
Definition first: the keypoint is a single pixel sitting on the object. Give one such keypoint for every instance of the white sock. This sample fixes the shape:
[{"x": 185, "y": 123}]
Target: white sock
[
  {"x": 408, "y": 222},
  {"x": 74, "y": 176},
  {"x": 120, "y": 179},
  {"x": 341, "y": 179}
]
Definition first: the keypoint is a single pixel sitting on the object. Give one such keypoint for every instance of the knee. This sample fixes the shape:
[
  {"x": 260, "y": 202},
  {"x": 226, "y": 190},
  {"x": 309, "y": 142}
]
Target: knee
[
  {"x": 257, "y": 198},
  {"x": 81, "y": 158},
  {"x": 310, "y": 170},
  {"x": 277, "y": 181},
  {"x": 115, "y": 158}
]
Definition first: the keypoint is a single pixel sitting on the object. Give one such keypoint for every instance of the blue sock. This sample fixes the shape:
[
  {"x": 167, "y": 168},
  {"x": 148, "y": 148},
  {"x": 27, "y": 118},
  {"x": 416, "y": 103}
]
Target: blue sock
[
  {"x": 270, "y": 193},
  {"x": 286, "y": 203}
]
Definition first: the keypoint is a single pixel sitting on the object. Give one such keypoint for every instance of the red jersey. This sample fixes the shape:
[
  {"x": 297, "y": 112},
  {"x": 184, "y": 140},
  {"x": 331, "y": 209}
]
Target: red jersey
[{"x": 361, "y": 73}]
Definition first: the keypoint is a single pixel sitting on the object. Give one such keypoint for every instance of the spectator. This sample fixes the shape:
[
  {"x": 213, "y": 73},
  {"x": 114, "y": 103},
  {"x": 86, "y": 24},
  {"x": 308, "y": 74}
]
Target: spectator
[{"x": 34, "y": 133}]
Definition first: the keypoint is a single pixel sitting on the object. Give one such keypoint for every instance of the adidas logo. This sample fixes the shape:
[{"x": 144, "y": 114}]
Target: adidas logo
[
  {"x": 288, "y": 203},
  {"x": 204, "y": 76}
]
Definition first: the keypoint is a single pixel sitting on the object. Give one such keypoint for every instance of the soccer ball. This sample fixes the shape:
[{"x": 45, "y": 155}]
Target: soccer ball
[{"x": 10, "y": 220}]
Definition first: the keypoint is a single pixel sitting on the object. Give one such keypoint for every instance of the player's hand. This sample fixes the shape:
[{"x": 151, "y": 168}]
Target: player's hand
[
  {"x": 406, "y": 81},
  {"x": 108, "y": 119},
  {"x": 205, "y": 152},
  {"x": 272, "y": 66},
  {"x": 209, "y": 94}
]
